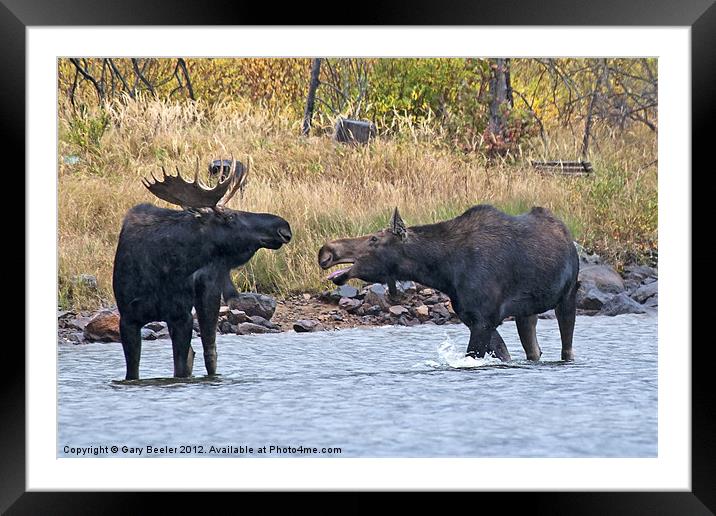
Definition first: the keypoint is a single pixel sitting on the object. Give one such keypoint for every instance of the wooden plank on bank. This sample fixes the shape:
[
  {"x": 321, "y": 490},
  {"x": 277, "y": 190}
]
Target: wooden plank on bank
[{"x": 580, "y": 168}]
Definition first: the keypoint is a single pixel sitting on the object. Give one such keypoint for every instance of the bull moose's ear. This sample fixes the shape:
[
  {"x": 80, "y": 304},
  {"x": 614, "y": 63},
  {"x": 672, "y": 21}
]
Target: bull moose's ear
[{"x": 397, "y": 226}]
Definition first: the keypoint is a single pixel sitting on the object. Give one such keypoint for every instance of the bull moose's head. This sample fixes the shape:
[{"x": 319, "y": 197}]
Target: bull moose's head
[
  {"x": 266, "y": 230},
  {"x": 374, "y": 258}
]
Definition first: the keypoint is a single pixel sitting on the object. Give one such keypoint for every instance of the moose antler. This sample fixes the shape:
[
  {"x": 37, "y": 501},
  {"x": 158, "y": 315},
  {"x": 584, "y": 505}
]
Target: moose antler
[
  {"x": 238, "y": 175},
  {"x": 194, "y": 194}
]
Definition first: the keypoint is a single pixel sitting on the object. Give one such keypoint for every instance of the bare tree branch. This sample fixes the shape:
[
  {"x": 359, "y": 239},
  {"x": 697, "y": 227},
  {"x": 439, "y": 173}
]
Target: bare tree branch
[
  {"x": 182, "y": 65},
  {"x": 85, "y": 74},
  {"x": 115, "y": 71},
  {"x": 139, "y": 74}
]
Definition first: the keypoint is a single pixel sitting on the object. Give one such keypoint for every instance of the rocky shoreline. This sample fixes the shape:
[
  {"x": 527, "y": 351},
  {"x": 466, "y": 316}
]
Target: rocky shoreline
[{"x": 602, "y": 291}]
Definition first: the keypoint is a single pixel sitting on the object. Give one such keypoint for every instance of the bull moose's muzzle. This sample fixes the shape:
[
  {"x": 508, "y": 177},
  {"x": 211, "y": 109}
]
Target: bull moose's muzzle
[{"x": 285, "y": 235}]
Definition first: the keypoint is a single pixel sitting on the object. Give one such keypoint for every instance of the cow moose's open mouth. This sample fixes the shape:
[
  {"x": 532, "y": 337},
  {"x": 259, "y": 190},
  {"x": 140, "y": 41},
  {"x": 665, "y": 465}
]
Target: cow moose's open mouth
[{"x": 339, "y": 276}]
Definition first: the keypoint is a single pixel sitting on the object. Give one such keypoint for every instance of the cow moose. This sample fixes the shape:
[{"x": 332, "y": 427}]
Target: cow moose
[
  {"x": 168, "y": 261},
  {"x": 491, "y": 265}
]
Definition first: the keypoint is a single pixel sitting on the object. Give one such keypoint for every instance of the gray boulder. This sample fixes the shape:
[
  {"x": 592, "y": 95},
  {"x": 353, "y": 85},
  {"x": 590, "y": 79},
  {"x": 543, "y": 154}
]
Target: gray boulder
[
  {"x": 371, "y": 309},
  {"x": 237, "y": 316},
  {"x": 591, "y": 298},
  {"x": 349, "y": 305},
  {"x": 406, "y": 287},
  {"x": 257, "y": 319},
  {"x": 377, "y": 295},
  {"x": 398, "y": 310},
  {"x": 646, "y": 291},
  {"x": 346, "y": 291},
  {"x": 652, "y": 302},
  {"x": 227, "y": 327},
  {"x": 75, "y": 323},
  {"x": 307, "y": 325},
  {"x": 156, "y": 325},
  {"x": 640, "y": 272},
  {"x": 439, "y": 313},
  {"x": 248, "y": 328},
  {"x": 621, "y": 304},
  {"x": 77, "y": 337},
  {"x": 404, "y": 320},
  {"x": 336, "y": 294},
  {"x": 638, "y": 275},
  {"x": 604, "y": 277},
  {"x": 148, "y": 334},
  {"x": 252, "y": 303}
]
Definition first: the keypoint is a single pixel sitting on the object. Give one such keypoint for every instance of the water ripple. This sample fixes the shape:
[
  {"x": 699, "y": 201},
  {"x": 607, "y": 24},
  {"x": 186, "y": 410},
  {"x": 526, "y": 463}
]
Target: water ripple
[{"x": 378, "y": 392}]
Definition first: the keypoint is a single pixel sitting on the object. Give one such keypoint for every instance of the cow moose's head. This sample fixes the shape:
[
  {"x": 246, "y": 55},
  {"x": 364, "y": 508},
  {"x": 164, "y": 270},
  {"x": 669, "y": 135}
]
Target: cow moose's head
[{"x": 373, "y": 258}]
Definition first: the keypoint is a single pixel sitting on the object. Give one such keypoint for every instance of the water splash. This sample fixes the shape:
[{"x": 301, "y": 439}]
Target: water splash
[{"x": 449, "y": 355}]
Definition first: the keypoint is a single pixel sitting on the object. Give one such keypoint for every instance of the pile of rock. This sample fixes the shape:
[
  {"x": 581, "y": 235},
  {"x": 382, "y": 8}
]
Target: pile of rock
[
  {"x": 249, "y": 313},
  {"x": 412, "y": 304},
  {"x": 246, "y": 314},
  {"x": 603, "y": 291},
  {"x": 101, "y": 326}
]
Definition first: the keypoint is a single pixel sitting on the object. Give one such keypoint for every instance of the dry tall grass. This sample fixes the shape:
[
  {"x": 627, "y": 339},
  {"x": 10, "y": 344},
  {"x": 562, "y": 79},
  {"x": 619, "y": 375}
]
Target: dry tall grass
[{"x": 325, "y": 190}]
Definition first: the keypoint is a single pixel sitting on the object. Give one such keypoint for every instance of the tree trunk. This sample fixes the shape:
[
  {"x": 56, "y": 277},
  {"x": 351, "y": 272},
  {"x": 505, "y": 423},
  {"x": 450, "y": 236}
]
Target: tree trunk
[
  {"x": 590, "y": 111},
  {"x": 508, "y": 84},
  {"x": 498, "y": 96},
  {"x": 311, "y": 98}
]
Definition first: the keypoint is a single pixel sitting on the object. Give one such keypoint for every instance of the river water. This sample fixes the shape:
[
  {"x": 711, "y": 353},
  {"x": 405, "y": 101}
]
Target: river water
[{"x": 370, "y": 392}]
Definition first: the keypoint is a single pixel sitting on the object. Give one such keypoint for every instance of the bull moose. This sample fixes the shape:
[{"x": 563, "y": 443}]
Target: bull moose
[
  {"x": 491, "y": 265},
  {"x": 168, "y": 261}
]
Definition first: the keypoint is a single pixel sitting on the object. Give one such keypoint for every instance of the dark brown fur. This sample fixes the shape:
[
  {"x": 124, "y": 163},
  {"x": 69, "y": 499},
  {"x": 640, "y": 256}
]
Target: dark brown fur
[
  {"x": 491, "y": 265},
  {"x": 168, "y": 261}
]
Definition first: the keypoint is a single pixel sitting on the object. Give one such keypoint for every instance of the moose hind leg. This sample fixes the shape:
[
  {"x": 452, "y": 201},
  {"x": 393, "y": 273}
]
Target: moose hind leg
[
  {"x": 180, "y": 330},
  {"x": 131, "y": 337},
  {"x": 207, "y": 299},
  {"x": 566, "y": 312},
  {"x": 527, "y": 330}
]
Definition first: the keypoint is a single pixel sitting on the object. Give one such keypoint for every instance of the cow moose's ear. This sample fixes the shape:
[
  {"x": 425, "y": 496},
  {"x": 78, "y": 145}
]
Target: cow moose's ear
[{"x": 397, "y": 226}]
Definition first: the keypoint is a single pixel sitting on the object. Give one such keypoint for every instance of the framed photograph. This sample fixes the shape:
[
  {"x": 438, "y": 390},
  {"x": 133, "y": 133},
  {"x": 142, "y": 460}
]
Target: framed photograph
[{"x": 326, "y": 384}]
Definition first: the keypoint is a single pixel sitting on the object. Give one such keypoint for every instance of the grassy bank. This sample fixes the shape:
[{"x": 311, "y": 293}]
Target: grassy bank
[{"x": 326, "y": 190}]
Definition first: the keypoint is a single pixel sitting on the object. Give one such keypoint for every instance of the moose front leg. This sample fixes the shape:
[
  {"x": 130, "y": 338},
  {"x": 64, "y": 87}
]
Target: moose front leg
[
  {"x": 180, "y": 330},
  {"x": 207, "y": 298},
  {"x": 479, "y": 341},
  {"x": 228, "y": 290},
  {"x": 484, "y": 339},
  {"x": 131, "y": 337},
  {"x": 498, "y": 347}
]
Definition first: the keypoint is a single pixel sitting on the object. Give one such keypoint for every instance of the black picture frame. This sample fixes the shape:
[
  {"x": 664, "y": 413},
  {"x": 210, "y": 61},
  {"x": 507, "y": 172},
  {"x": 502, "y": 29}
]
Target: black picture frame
[{"x": 699, "y": 15}]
